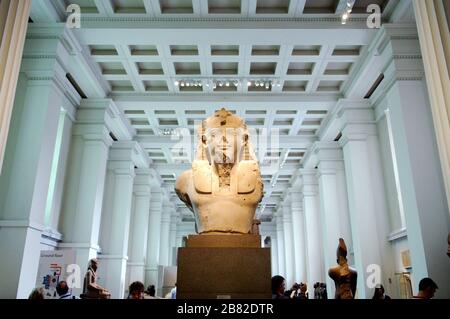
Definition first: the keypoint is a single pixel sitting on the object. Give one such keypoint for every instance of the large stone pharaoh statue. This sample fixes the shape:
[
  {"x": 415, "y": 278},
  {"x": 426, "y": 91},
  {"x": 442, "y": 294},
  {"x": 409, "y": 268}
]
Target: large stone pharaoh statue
[{"x": 224, "y": 185}]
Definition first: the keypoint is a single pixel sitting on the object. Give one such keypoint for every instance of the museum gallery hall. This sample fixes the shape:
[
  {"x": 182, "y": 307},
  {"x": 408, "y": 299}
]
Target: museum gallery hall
[{"x": 345, "y": 106}]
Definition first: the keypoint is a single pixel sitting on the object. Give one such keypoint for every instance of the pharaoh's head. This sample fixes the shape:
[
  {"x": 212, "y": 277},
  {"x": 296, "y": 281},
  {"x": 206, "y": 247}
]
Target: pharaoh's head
[
  {"x": 224, "y": 139},
  {"x": 341, "y": 251},
  {"x": 93, "y": 264}
]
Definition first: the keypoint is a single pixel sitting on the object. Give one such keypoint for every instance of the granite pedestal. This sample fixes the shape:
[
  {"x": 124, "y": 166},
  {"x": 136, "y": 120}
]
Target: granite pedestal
[{"x": 223, "y": 266}]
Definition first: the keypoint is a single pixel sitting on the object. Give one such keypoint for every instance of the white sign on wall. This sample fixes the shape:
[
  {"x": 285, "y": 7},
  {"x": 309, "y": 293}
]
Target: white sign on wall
[{"x": 53, "y": 265}]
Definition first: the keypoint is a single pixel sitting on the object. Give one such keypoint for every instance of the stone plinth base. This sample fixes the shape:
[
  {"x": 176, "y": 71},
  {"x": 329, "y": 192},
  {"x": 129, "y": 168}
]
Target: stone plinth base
[{"x": 223, "y": 266}]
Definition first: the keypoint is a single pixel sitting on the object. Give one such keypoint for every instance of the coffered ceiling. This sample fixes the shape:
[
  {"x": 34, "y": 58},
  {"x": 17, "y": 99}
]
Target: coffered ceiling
[{"x": 279, "y": 64}]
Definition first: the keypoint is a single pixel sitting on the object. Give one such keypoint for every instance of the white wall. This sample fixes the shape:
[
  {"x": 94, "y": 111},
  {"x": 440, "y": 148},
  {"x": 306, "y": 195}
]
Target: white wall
[{"x": 388, "y": 174}]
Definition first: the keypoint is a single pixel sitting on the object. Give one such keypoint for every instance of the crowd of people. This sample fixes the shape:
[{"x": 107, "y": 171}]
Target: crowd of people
[
  {"x": 427, "y": 290},
  {"x": 136, "y": 290},
  {"x": 92, "y": 290}
]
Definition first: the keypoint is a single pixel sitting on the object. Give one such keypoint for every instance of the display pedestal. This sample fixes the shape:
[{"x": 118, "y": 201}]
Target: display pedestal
[{"x": 223, "y": 266}]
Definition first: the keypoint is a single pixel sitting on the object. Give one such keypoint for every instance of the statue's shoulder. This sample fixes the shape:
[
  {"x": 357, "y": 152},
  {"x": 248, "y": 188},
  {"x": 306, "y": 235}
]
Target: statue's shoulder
[
  {"x": 333, "y": 271},
  {"x": 249, "y": 177},
  {"x": 186, "y": 174},
  {"x": 183, "y": 180},
  {"x": 202, "y": 176}
]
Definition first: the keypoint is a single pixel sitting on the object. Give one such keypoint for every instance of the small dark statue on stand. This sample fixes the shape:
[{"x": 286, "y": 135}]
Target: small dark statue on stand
[
  {"x": 91, "y": 289},
  {"x": 344, "y": 277}
]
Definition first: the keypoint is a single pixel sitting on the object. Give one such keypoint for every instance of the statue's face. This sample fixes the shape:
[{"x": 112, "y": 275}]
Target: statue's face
[{"x": 223, "y": 143}]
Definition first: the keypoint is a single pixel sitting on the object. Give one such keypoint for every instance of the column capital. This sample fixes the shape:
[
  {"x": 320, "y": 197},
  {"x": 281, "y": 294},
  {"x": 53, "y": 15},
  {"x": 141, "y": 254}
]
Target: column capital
[
  {"x": 347, "y": 110},
  {"x": 392, "y": 32},
  {"x": 354, "y": 111},
  {"x": 90, "y": 121},
  {"x": 357, "y": 119},
  {"x": 174, "y": 217},
  {"x": 167, "y": 208},
  {"x": 157, "y": 195},
  {"x": 50, "y": 45},
  {"x": 287, "y": 218},
  {"x": 143, "y": 181},
  {"x": 156, "y": 201},
  {"x": 279, "y": 214},
  {"x": 287, "y": 215},
  {"x": 121, "y": 155},
  {"x": 96, "y": 134},
  {"x": 406, "y": 65},
  {"x": 321, "y": 152},
  {"x": 57, "y": 39},
  {"x": 48, "y": 55},
  {"x": 357, "y": 132},
  {"x": 279, "y": 222},
  {"x": 121, "y": 168},
  {"x": 297, "y": 206},
  {"x": 310, "y": 185},
  {"x": 330, "y": 158},
  {"x": 165, "y": 218},
  {"x": 296, "y": 196},
  {"x": 122, "y": 150},
  {"x": 286, "y": 205},
  {"x": 129, "y": 151},
  {"x": 167, "y": 211},
  {"x": 103, "y": 111},
  {"x": 58, "y": 32},
  {"x": 173, "y": 227},
  {"x": 293, "y": 192},
  {"x": 328, "y": 151},
  {"x": 308, "y": 176},
  {"x": 330, "y": 168}
]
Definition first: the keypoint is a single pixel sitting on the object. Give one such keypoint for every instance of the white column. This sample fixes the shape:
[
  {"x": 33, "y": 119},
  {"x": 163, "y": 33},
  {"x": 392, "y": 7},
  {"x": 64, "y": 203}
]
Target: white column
[
  {"x": 179, "y": 240},
  {"x": 154, "y": 237},
  {"x": 433, "y": 29},
  {"x": 280, "y": 242},
  {"x": 13, "y": 27},
  {"x": 115, "y": 221},
  {"x": 314, "y": 249},
  {"x": 288, "y": 244},
  {"x": 59, "y": 168},
  {"x": 165, "y": 233},
  {"x": 174, "y": 220},
  {"x": 26, "y": 175},
  {"x": 137, "y": 246},
  {"x": 274, "y": 254},
  {"x": 83, "y": 191},
  {"x": 298, "y": 225},
  {"x": 334, "y": 214},
  {"x": 366, "y": 193},
  {"x": 420, "y": 183}
]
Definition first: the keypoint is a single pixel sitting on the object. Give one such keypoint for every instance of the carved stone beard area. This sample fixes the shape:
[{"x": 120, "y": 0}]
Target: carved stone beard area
[{"x": 224, "y": 172}]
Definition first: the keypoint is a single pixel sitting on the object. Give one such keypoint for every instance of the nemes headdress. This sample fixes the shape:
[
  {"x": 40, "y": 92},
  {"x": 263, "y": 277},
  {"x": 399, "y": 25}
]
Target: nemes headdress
[{"x": 224, "y": 119}]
